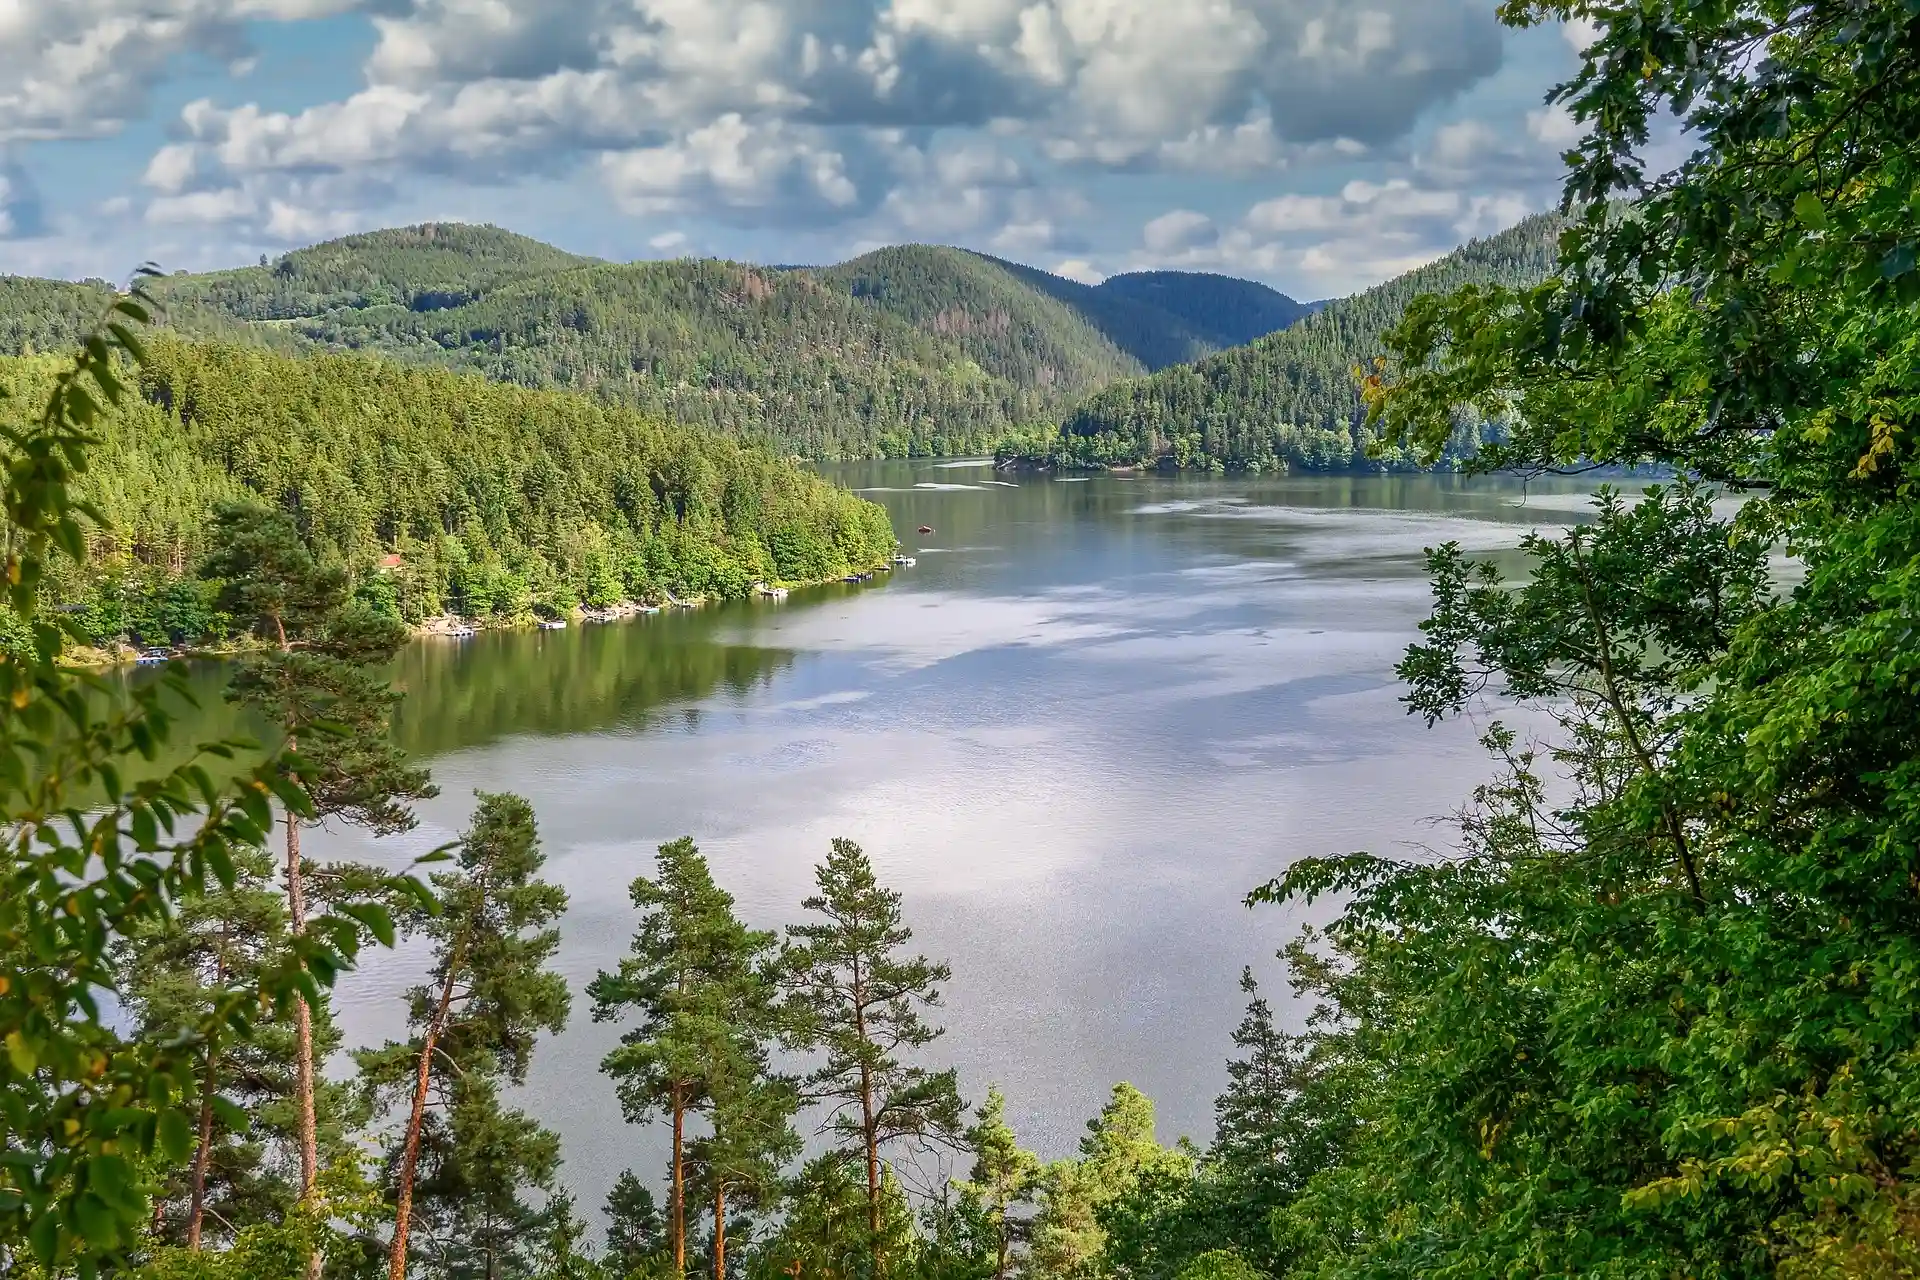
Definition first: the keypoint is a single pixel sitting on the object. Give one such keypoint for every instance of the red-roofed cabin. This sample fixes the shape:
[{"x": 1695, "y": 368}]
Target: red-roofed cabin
[{"x": 390, "y": 562}]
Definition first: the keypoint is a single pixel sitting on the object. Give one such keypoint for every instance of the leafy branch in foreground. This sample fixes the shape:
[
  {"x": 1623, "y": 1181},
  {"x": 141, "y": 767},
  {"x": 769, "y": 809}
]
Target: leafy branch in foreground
[{"x": 92, "y": 857}]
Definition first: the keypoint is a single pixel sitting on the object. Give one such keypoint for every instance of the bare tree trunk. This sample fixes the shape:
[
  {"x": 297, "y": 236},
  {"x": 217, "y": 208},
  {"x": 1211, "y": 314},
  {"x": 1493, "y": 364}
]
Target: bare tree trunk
[
  {"x": 303, "y": 1021},
  {"x": 679, "y": 1210},
  {"x": 867, "y": 1134},
  {"x": 719, "y": 1230},
  {"x": 410, "y": 1156}
]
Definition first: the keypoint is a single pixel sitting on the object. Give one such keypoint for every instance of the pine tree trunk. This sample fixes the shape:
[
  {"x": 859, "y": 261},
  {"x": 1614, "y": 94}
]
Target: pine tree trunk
[
  {"x": 679, "y": 1211},
  {"x": 410, "y": 1155},
  {"x": 719, "y": 1230},
  {"x": 202, "y": 1156},
  {"x": 873, "y": 1162},
  {"x": 1000, "y": 1270},
  {"x": 303, "y": 1020}
]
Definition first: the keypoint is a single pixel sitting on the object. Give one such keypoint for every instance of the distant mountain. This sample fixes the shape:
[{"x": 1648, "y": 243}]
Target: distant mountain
[
  {"x": 1222, "y": 310},
  {"x": 1289, "y": 399},
  {"x": 992, "y": 312},
  {"x": 916, "y": 348}
]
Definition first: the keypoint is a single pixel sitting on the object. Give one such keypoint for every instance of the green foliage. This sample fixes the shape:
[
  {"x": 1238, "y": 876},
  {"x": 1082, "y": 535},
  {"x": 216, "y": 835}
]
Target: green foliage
[
  {"x": 465, "y": 1161},
  {"x": 825, "y": 1232},
  {"x": 495, "y": 500},
  {"x": 91, "y": 860},
  {"x": 696, "y": 980},
  {"x": 1004, "y": 1177},
  {"x": 910, "y": 350},
  {"x": 1291, "y": 399},
  {"x": 1117, "y": 1154},
  {"x": 1658, "y": 1018},
  {"x": 1223, "y": 311},
  {"x": 855, "y": 1000},
  {"x": 246, "y": 1158},
  {"x": 428, "y": 267}
]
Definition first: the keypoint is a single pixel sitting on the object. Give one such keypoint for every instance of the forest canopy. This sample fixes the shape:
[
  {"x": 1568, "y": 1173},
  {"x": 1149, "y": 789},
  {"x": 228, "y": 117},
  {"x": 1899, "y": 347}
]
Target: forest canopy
[{"x": 439, "y": 492}]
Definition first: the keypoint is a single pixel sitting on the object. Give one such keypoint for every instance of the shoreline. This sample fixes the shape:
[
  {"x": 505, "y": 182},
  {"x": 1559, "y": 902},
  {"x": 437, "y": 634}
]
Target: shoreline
[{"x": 443, "y": 626}]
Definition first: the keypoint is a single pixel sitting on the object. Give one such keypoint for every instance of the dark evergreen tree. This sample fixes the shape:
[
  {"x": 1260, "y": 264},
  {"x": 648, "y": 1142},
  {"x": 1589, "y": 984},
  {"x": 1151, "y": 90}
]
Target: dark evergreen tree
[
  {"x": 636, "y": 1231},
  {"x": 246, "y": 1163},
  {"x": 1003, "y": 1180},
  {"x": 321, "y": 683},
  {"x": 694, "y": 982},
  {"x": 464, "y": 1161},
  {"x": 856, "y": 1000}
]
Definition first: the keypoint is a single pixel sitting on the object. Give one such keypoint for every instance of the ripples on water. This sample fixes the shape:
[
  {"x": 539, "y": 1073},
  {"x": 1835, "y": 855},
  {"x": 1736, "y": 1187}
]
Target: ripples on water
[{"x": 1075, "y": 735}]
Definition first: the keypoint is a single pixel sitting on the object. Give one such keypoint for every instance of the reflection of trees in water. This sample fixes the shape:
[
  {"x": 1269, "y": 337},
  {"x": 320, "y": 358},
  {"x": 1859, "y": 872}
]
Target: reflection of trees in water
[{"x": 589, "y": 679}]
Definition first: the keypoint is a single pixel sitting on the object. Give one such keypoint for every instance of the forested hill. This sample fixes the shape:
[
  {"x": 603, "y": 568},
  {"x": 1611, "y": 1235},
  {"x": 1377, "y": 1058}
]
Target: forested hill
[
  {"x": 496, "y": 500},
  {"x": 1223, "y": 311},
  {"x": 914, "y": 349},
  {"x": 1289, "y": 399},
  {"x": 422, "y": 268}
]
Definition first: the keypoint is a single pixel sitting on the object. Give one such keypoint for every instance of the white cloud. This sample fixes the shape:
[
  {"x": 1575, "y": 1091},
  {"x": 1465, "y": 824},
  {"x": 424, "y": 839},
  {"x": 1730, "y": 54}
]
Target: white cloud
[
  {"x": 739, "y": 167},
  {"x": 1580, "y": 33},
  {"x": 83, "y": 68},
  {"x": 226, "y": 204},
  {"x": 1179, "y": 231},
  {"x": 764, "y": 110},
  {"x": 1078, "y": 269}
]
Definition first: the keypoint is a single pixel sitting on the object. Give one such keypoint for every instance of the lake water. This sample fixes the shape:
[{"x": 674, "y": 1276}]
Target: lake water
[{"x": 1092, "y": 717}]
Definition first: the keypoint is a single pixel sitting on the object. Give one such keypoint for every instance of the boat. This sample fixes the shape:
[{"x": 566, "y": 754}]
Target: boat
[
  {"x": 926, "y": 528},
  {"x": 905, "y": 562},
  {"x": 462, "y": 633},
  {"x": 553, "y": 624},
  {"x": 767, "y": 592},
  {"x": 153, "y": 657}
]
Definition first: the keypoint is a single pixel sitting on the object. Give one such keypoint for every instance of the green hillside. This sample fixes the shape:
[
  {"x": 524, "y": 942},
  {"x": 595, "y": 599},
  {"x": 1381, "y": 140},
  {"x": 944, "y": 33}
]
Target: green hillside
[
  {"x": 422, "y": 268},
  {"x": 48, "y": 315},
  {"x": 1010, "y": 328},
  {"x": 496, "y": 499},
  {"x": 1289, "y": 399},
  {"x": 915, "y": 349}
]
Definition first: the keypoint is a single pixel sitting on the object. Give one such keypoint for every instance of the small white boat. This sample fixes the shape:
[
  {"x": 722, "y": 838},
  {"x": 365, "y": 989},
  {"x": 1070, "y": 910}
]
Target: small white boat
[
  {"x": 905, "y": 562},
  {"x": 462, "y": 633},
  {"x": 553, "y": 624},
  {"x": 153, "y": 657}
]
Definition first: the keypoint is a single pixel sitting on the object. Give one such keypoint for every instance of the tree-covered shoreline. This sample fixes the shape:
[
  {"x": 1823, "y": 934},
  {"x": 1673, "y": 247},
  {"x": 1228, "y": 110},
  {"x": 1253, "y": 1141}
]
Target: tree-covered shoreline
[{"x": 437, "y": 493}]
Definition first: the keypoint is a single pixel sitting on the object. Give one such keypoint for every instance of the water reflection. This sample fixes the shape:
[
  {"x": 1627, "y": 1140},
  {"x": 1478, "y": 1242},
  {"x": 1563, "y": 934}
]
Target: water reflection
[{"x": 1074, "y": 735}]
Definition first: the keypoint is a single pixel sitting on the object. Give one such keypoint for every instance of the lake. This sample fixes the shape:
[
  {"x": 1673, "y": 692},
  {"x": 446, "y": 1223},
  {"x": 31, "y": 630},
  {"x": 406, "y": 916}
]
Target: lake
[{"x": 1092, "y": 717}]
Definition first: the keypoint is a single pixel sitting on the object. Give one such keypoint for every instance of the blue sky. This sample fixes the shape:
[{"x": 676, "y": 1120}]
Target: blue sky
[{"x": 1319, "y": 145}]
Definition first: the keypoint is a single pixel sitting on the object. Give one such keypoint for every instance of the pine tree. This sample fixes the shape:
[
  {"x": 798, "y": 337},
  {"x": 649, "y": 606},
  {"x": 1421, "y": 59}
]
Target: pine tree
[
  {"x": 1004, "y": 1175},
  {"x": 636, "y": 1233},
  {"x": 1118, "y": 1150},
  {"x": 857, "y": 1000},
  {"x": 322, "y": 685},
  {"x": 1257, "y": 1125},
  {"x": 245, "y": 1167},
  {"x": 826, "y": 1232},
  {"x": 488, "y": 997},
  {"x": 751, "y": 1112},
  {"x": 694, "y": 980}
]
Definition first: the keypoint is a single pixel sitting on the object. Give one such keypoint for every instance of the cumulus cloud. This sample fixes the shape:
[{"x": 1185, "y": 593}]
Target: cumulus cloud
[
  {"x": 814, "y": 110},
  {"x": 1469, "y": 179},
  {"x": 1180, "y": 231},
  {"x": 744, "y": 169},
  {"x": 83, "y": 68}
]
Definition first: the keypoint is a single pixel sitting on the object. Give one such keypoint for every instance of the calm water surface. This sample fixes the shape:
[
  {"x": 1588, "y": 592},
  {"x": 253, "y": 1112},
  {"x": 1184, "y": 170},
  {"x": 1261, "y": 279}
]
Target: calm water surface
[{"x": 1092, "y": 717}]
